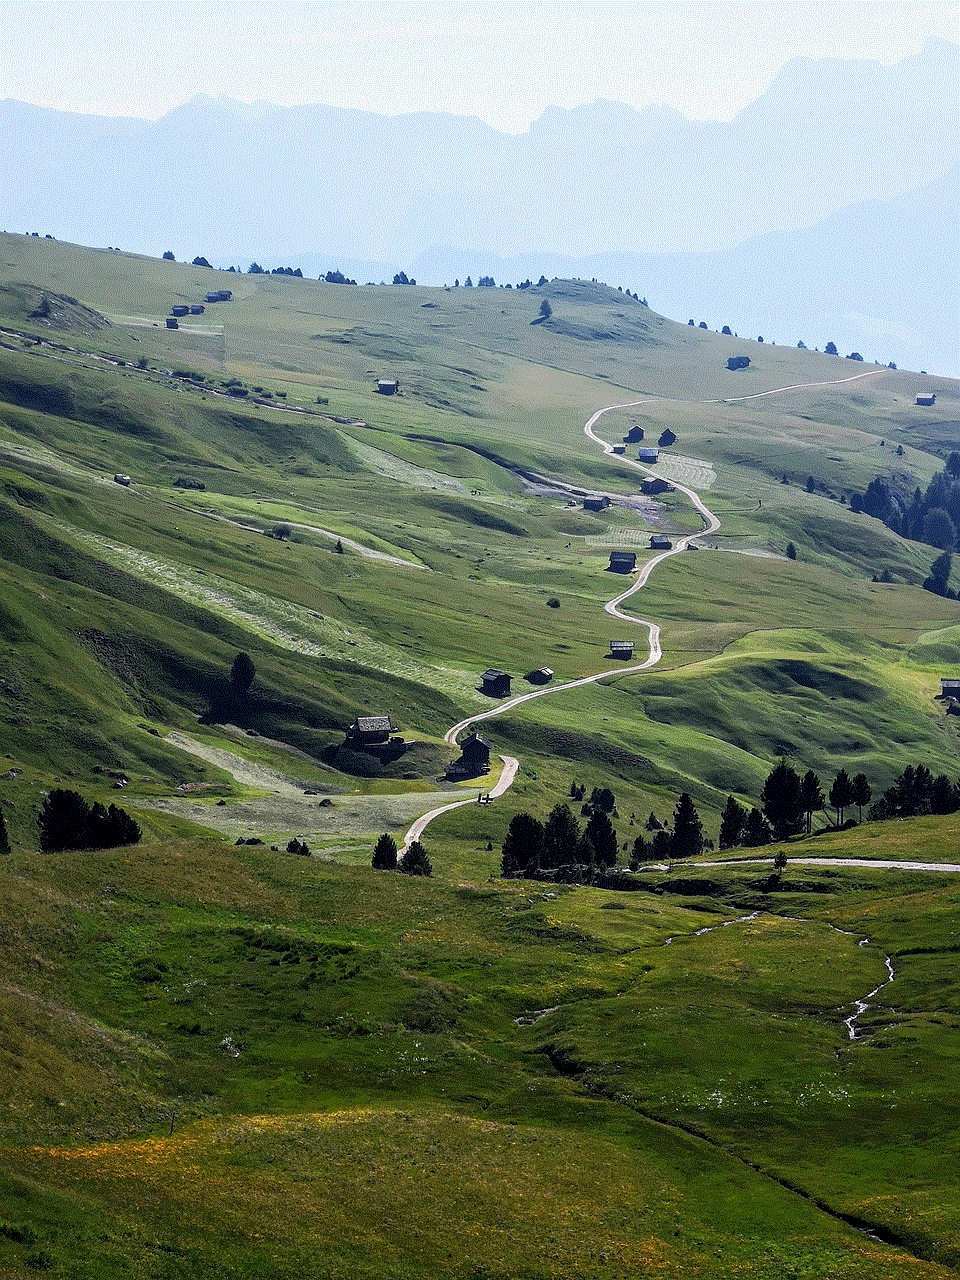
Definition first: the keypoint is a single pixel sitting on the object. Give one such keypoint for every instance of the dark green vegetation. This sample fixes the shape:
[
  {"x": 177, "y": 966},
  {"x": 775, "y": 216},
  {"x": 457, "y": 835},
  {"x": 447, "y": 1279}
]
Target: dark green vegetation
[{"x": 220, "y": 1056}]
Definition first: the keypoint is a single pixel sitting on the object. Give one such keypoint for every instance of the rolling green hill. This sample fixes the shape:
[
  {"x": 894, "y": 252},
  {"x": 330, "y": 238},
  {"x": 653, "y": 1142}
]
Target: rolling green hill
[{"x": 226, "y": 1053}]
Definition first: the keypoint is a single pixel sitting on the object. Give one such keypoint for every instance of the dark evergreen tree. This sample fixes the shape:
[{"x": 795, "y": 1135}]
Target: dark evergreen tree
[
  {"x": 561, "y": 835},
  {"x": 546, "y": 311},
  {"x": 522, "y": 849},
  {"x": 603, "y": 798},
  {"x": 780, "y": 800},
  {"x": 862, "y": 793},
  {"x": 661, "y": 846},
  {"x": 758, "y": 830},
  {"x": 415, "y": 861},
  {"x": 653, "y": 823},
  {"x": 942, "y": 795},
  {"x": 733, "y": 824},
  {"x": 831, "y": 348},
  {"x": 385, "y": 853},
  {"x": 168, "y": 256},
  {"x": 603, "y": 838},
  {"x": 4, "y": 837},
  {"x": 62, "y": 820},
  {"x": 791, "y": 551},
  {"x": 811, "y": 797},
  {"x": 642, "y": 852},
  {"x": 687, "y": 838},
  {"x": 841, "y": 794}
]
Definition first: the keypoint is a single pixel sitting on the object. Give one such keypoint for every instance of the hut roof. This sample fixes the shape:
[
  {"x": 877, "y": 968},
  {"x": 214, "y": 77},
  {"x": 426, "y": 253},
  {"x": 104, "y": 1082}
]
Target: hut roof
[{"x": 374, "y": 724}]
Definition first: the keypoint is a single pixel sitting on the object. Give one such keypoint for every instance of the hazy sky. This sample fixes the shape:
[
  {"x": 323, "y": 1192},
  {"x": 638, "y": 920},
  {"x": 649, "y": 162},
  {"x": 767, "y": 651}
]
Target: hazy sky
[{"x": 503, "y": 62}]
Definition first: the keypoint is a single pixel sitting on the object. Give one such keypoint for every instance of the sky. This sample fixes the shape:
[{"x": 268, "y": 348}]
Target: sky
[{"x": 502, "y": 62}]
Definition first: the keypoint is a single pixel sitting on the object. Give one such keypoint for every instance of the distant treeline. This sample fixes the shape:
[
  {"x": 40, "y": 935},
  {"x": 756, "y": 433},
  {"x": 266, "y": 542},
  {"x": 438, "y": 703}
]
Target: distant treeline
[
  {"x": 560, "y": 849},
  {"x": 932, "y": 517}
]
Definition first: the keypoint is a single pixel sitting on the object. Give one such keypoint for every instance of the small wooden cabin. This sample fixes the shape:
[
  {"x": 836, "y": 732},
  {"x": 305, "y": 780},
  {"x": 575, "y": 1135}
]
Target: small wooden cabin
[
  {"x": 494, "y": 683},
  {"x": 949, "y": 687},
  {"x": 172, "y": 324},
  {"x": 388, "y": 386},
  {"x": 926, "y": 398},
  {"x": 597, "y": 502},
  {"x": 475, "y": 752},
  {"x": 197, "y": 309},
  {"x": 619, "y": 448},
  {"x": 370, "y": 731},
  {"x": 622, "y": 561},
  {"x": 647, "y": 453},
  {"x": 621, "y": 649},
  {"x": 179, "y": 311},
  {"x": 659, "y": 542},
  {"x": 542, "y": 675}
]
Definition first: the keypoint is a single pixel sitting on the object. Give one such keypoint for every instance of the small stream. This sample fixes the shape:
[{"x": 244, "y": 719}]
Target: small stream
[{"x": 860, "y": 1005}]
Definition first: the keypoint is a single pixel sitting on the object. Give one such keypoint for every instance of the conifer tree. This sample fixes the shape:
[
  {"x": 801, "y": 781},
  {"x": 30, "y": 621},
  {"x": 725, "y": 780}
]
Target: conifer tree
[
  {"x": 560, "y": 836},
  {"x": 811, "y": 796},
  {"x": 4, "y": 838},
  {"x": 385, "y": 853},
  {"x": 687, "y": 838},
  {"x": 415, "y": 861},
  {"x": 841, "y": 794},
  {"x": 733, "y": 824}
]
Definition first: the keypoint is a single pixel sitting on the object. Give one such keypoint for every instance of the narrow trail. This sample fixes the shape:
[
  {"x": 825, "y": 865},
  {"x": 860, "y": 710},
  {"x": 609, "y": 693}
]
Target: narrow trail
[{"x": 711, "y": 525}]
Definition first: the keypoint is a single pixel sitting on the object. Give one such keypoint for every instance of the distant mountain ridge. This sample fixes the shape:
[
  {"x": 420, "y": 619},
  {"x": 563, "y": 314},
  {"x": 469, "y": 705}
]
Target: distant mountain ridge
[{"x": 238, "y": 182}]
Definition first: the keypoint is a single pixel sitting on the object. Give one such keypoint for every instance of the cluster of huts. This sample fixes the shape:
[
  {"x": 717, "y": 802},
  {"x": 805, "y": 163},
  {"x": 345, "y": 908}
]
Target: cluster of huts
[{"x": 197, "y": 308}]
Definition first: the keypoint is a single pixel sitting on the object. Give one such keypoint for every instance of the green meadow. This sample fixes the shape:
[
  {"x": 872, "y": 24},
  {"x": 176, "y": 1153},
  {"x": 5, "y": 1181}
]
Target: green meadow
[{"x": 222, "y": 1057}]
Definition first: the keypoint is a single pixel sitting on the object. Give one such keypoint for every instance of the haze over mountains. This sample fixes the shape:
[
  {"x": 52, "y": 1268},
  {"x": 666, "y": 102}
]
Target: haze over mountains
[{"x": 826, "y": 209}]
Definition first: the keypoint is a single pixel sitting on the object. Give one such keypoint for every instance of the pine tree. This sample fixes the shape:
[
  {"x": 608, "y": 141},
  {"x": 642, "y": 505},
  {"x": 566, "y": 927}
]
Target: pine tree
[
  {"x": 861, "y": 793},
  {"x": 601, "y": 835},
  {"x": 758, "y": 830},
  {"x": 733, "y": 824},
  {"x": 522, "y": 849},
  {"x": 641, "y": 852},
  {"x": 62, "y": 820},
  {"x": 841, "y": 794},
  {"x": 415, "y": 861},
  {"x": 687, "y": 839},
  {"x": 385, "y": 853},
  {"x": 811, "y": 796},
  {"x": 4, "y": 838},
  {"x": 560, "y": 836},
  {"x": 780, "y": 800}
]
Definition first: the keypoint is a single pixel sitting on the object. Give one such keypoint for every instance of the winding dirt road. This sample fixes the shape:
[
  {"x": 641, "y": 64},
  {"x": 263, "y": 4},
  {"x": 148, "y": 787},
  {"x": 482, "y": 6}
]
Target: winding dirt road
[{"x": 711, "y": 525}]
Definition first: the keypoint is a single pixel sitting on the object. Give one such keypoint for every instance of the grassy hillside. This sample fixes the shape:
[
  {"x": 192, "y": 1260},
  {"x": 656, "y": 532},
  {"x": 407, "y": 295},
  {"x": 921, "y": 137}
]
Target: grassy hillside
[
  {"x": 232, "y": 1055},
  {"x": 219, "y": 1056}
]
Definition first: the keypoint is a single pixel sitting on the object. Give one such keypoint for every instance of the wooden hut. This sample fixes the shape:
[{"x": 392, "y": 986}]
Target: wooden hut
[
  {"x": 370, "y": 731},
  {"x": 494, "y": 683},
  {"x": 621, "y": 649},
  {"x": 596, "y": 502},
  {"x": 926, "y": 398},
  {"x": 542, "y": 675},
  {"x": 659, "y": 542},
  {"x": 622, "y": 561},
  {"x": 387, "y": 386},
  {"x": 475, "y": 753},
  {"x": 648, "y": 454}
]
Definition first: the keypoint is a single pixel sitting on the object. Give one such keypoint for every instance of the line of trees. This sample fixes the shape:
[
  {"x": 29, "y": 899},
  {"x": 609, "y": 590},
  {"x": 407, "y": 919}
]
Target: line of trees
[
  {"x": 563, "y": 849},
  {"x": 931, "y": 516},
  {"x": 414, "y": 861},
  {"x": 788, "y": 802},
  {"x": 67, "y": 821}
]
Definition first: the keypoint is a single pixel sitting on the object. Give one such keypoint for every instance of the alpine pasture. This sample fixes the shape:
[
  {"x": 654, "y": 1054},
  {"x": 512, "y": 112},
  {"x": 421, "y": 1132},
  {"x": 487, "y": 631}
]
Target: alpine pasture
[{"x": 223, "y": 1056}]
